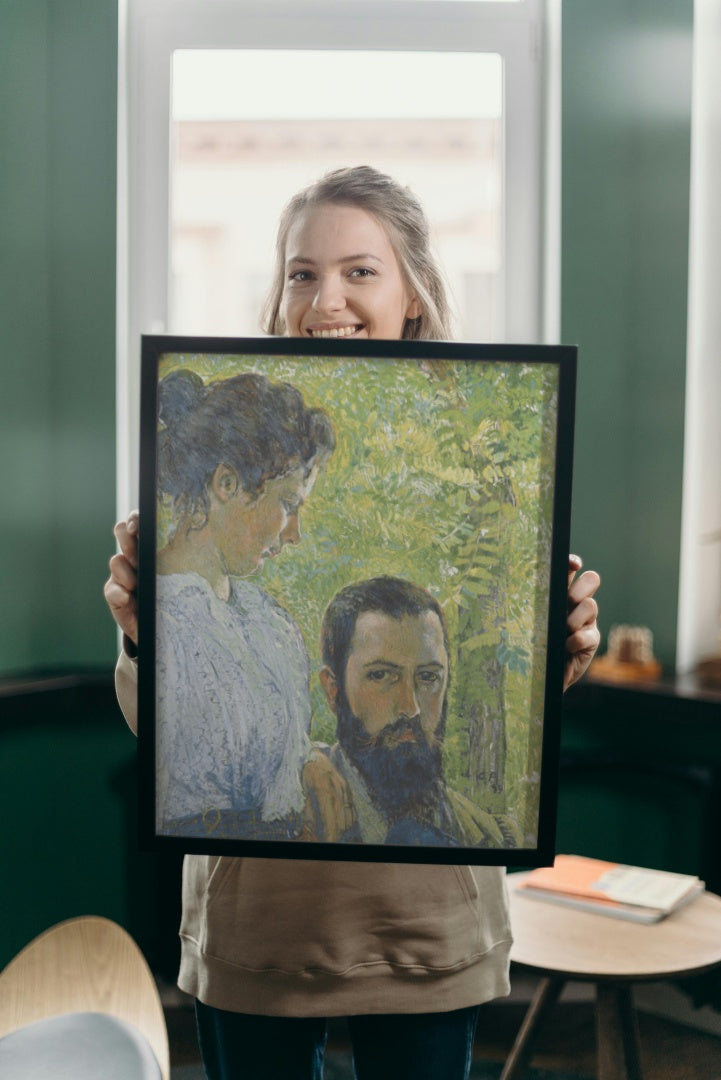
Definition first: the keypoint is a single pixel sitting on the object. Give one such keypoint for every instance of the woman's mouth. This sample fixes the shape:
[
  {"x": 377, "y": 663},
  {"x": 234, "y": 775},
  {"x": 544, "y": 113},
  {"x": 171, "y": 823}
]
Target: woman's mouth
[{"x": 334, "y": 331}]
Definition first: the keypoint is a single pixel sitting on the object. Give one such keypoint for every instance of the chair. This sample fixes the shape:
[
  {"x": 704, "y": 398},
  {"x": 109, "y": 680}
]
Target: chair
[{"x": 80, "y": 1001}]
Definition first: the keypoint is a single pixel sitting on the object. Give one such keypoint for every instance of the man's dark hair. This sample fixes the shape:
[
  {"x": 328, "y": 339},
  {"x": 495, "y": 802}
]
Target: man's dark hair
[{"x": 389, "y": 595}]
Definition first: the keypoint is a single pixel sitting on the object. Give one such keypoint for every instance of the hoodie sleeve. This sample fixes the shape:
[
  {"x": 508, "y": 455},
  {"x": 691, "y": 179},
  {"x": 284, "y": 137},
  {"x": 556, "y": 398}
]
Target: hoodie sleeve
[{"x": 126, "y": 688}]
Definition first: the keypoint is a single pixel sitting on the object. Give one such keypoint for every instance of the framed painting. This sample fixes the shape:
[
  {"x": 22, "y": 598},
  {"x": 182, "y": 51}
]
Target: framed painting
[{"x": 352, "y": 597}]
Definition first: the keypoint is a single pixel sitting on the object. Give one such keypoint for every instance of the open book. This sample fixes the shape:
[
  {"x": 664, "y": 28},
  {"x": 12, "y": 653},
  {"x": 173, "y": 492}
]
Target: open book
[{"x": 608, "y": 888}]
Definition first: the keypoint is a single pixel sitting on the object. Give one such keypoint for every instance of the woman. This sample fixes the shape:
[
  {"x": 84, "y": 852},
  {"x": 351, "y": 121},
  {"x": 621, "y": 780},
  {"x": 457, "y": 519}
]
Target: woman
[
  {"x": 236, "y": 458},
  {"x": 272, "y": 948}
]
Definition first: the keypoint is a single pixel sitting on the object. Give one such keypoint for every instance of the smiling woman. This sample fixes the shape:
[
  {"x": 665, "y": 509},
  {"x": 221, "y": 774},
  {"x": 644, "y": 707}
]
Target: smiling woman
[
  {"x": 271, "y": 947},
  {"x": 337, "y": 257},
  {"x": 353, "y": 259}
]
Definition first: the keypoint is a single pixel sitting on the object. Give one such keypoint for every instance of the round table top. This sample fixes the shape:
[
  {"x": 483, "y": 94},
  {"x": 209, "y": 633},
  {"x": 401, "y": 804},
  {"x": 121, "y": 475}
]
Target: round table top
[{"x": 559, "y": 940}]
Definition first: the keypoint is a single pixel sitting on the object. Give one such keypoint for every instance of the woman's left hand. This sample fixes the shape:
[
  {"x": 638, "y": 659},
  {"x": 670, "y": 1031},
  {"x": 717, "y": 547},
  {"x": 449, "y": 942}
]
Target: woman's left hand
[{"x": 582, "y": 633}]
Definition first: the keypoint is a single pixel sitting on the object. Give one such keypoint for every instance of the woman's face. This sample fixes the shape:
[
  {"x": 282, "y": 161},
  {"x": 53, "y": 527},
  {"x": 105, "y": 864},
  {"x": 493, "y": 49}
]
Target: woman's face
[
  {"x": 247, "y": 529},
  {"x": 342, "y": 277}
]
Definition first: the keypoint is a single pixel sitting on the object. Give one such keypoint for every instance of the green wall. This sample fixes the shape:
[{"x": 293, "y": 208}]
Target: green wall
[
  {"x": 58, "y": 72},
  {"x": 626, "y": 145},
  {"x": 67, "y": 789}
]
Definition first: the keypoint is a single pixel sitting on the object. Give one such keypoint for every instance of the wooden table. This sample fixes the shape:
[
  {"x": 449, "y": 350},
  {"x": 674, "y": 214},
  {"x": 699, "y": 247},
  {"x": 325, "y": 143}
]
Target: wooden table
[{"x": 564, "y": 944}]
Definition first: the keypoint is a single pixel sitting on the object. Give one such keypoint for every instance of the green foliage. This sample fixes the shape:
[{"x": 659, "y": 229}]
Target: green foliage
[{"x": 442, "y": 474}]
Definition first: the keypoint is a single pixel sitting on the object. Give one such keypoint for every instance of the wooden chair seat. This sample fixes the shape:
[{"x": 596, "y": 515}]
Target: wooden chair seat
[{"x": 84, "y": 965}]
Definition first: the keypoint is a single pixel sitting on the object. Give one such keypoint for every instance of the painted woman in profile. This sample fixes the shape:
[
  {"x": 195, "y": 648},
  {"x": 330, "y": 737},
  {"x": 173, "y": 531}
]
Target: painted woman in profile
[{"x": 237, "y": 457}]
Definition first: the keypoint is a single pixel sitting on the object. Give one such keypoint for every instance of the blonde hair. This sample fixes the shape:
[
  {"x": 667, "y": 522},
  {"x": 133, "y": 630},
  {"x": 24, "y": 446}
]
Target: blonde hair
[{"x": 403, "y": 217}]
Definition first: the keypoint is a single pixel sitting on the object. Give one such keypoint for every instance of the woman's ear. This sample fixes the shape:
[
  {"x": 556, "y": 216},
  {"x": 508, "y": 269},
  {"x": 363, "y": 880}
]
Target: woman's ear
[
  {"x": 415, "y": 309},
  {"x": 330, "y": 688},
  {"x": 224, "y": 483}
]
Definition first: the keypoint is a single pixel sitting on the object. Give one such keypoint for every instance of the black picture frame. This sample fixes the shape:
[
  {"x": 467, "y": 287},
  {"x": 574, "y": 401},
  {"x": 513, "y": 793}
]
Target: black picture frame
[{"x": 452, "y": 469}]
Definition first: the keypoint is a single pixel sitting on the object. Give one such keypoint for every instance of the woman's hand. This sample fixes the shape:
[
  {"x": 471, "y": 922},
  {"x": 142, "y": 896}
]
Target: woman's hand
[
  {"x": 328, "y": 812},
  {"x": 121, "y": 587},
  {"x": 582, "y": 633}
]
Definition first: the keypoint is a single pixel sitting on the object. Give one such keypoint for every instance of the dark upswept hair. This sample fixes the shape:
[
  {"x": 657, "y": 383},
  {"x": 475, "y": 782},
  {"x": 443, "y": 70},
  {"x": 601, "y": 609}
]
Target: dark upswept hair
[
  {"x": 259, "y": 429},
  {"x": 402, "y": 216},
  {"x": 389, "y": 595}
]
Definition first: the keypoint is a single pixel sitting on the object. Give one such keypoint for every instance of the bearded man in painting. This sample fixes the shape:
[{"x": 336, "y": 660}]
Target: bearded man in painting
[{"x": 385, "y": 677}]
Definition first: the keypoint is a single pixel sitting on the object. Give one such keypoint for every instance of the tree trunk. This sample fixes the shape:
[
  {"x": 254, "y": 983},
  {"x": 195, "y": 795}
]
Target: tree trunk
[{"x": 487, "y": 738}]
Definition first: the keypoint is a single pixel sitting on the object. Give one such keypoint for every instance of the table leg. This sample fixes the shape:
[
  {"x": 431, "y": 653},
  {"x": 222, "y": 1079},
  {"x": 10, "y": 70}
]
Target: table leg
[
  {"x": 617, "y": 1033},
  {"x": 545, "y": 997}
]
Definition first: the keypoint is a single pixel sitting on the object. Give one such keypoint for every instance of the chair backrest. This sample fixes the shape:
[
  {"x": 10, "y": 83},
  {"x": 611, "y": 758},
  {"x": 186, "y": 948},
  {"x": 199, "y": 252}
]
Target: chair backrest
[{"x": 87, "y": 964}]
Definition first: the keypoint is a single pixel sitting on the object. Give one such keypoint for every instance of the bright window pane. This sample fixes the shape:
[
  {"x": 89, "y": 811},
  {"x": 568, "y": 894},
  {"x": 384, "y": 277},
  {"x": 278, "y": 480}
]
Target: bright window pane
[{"x": 252, "y": 127}]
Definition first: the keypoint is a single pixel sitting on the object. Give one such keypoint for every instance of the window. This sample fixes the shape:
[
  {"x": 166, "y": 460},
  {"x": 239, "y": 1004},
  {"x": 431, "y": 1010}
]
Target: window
[
  {"x": 323, "y": 110},
  {"x": 231, "y": 104}
]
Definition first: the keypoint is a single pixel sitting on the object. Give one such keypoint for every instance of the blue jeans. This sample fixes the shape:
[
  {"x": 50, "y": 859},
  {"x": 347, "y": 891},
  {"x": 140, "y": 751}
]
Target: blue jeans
[{"x": 414, "y": 1046}]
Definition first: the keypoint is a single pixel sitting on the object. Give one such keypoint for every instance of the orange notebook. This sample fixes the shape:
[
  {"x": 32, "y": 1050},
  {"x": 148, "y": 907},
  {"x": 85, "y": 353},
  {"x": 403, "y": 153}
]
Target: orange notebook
[{"x": 630, "y": 892}]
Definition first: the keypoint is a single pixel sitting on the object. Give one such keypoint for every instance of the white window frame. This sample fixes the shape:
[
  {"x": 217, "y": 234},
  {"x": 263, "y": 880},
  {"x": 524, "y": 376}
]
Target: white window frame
[
  {"x": 526, "y": 34},
  {"x": 699, "y": 597}
]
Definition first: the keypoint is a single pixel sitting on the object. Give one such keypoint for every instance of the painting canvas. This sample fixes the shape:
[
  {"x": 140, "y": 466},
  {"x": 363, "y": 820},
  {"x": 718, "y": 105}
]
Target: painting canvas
[{"x": 352, "y": 597}]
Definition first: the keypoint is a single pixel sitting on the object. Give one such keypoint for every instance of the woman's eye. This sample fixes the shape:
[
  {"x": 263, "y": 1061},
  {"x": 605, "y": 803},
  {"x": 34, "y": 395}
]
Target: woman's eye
[
  {"x": 362, "y": 272},
  {"x": 300, "y": 276}
]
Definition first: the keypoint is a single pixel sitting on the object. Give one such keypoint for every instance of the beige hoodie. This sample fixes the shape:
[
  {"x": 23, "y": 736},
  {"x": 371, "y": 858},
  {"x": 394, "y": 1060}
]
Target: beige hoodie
[{"x": 286, "y": 937}]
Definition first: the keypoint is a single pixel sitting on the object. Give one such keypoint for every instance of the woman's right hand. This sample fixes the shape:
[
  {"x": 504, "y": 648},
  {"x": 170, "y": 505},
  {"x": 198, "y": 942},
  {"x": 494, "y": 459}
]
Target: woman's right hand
[
  {"x": 121, "y": 587},
  {"x": 328, "y": 812}
]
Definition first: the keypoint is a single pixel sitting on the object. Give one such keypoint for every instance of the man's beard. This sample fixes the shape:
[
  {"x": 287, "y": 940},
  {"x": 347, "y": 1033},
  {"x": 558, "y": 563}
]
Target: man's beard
[{"x": 404, "y": 778}]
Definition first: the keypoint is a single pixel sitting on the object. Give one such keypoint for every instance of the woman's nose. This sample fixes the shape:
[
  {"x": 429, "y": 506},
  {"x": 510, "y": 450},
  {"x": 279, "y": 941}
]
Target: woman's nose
[
  {"x": 329, "y": 295},
  {"x": 291, "y": 533}
]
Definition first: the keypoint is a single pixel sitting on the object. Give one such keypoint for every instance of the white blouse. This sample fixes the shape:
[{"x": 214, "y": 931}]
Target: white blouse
[{"x": 232, "y": 701}]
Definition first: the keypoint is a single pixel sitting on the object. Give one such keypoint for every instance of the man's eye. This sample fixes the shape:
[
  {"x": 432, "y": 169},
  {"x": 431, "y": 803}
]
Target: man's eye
[
  {"x": 429, "y": 676},
  {"x": 377, "y": 674}
]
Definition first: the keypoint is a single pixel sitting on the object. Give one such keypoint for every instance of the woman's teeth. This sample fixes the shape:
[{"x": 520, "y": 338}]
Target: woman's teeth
[{"x": 337, "y": 331}]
